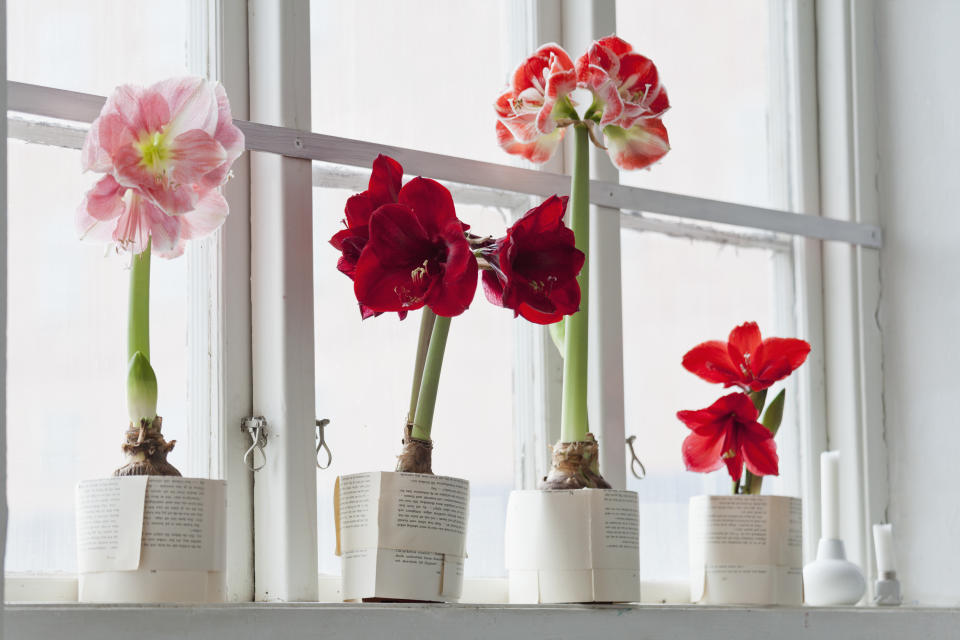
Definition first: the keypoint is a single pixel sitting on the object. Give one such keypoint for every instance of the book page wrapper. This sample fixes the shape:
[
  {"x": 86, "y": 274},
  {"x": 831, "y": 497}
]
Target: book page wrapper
[
  {"x": 573, "y": 546},
  {"x": 401, "y": 535},
  {"x": 151, "y": 539},
  {"x": 746, "y": 550}
]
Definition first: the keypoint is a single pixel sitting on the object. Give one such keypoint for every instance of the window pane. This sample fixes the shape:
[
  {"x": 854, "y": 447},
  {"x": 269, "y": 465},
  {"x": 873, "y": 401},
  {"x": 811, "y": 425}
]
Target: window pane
[
  {"x": 95, "y": 45},
  {"x": 721, "y": 74},
  {"x": 66, "y": 348},
  {"x": 689, "y": 292},
  {"x": 421, "y": 74},
  {"x": 363, "y": 375}
]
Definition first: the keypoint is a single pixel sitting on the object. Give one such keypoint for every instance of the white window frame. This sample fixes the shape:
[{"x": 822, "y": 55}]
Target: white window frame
[{"x": 836, "y": 281}]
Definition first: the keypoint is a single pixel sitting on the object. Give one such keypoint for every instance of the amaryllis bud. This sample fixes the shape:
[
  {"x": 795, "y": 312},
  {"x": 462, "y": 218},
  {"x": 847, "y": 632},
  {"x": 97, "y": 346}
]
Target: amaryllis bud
[{"x": 141, "y": 390}]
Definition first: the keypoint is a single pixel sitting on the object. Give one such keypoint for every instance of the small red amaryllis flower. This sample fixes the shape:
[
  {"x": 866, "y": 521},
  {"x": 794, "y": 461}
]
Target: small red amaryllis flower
[
  {"x": 727, "y": 432},
  {"x": 626, "y": 88},
  {"x": 527, "y": 111},
  {"x": 746, "y": 360},
  {"x": 416, "y": 255},
  {"x": 383, "y": 188},
  {"x": 533, "y": 269}
]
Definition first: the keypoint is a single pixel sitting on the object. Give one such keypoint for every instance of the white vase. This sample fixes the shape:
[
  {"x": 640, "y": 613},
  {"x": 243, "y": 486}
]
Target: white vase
[
  {"x": 746, "y": 549},
  {"x": 401, "y": 536},
  {"x": 145, "y": 539},
  {"x": 573, "y": 546}
]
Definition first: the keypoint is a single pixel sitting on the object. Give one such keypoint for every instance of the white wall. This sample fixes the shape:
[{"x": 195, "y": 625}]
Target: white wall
[{"x": 918, "y": 136}]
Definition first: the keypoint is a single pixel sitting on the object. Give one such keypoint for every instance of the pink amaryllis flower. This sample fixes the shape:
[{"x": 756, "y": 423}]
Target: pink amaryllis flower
[
  {"x": 528, "y": 110},
  {"x": 171, "y": 146},
  {"x": 746, "y": 360},
  {"x": 416, "y": 255},
  {"x": 727, "y": 432},
  {"x": 628, "y": 102},
  {"x": 111, "y": 212},
  {"x": 533, "y": 269}
]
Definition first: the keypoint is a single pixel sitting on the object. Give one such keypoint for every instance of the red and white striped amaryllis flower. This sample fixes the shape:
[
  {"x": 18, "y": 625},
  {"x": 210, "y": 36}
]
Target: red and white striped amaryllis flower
[
  {"x": 166, "y": 150},
  {"x": 630, "y": 101},
  {"x": 528, "y": 110},
  {"x": 624, "y": 116}
]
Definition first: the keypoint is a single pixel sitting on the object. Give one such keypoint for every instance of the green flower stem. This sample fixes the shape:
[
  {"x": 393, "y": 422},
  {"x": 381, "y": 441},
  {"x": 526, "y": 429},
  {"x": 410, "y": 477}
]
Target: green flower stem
[
  {"x": 573, "y": 426},
  {"x": 141, "y": 380},
  {"x": 752, "y": 483},
  {"x": 138, "y": 330},
  {"x": 423, "y": 420},
  {"x": 427, "y": 320}
]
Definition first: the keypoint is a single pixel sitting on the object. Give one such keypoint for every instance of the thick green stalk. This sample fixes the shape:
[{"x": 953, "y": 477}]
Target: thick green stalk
[
  {"x": 573, "y": 426},
  {"x": 427, "y": 320},
  {"x": 138, "y": 330},
  {"x": 423, "y": 420}
]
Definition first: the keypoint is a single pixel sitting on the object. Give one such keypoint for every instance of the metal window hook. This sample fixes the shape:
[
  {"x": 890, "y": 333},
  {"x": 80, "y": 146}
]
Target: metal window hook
[
  {"x": 322, "y": 444},
  {"x": 256, "y": 428},
  {"x": 635, "y": 462}
]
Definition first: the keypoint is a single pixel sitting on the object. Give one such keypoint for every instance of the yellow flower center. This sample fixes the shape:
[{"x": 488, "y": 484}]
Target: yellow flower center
[{"x": 154, "y": 153}]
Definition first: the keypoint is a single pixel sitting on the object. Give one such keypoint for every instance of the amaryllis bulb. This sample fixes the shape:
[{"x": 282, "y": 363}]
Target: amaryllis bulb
[{"x": 141, "y": 389}]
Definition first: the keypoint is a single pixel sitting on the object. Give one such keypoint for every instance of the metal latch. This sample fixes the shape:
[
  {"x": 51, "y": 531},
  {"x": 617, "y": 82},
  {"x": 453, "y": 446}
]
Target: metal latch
[{"x": 256, "y": 428}]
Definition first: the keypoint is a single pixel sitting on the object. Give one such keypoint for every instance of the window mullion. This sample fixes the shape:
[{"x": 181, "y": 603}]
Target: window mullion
[
  {"x": 285, "y": 490},
  {"x": 228, "y": 265}
]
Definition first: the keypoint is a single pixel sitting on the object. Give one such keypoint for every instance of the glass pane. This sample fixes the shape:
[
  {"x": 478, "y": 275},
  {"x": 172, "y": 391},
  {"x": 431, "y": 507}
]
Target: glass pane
[
  {"x": 716, "y": 61},
  {"x": 690, "y": 291},
  {"x": 421, "y": 74},
  {"x": 66, "y": 348},
  {"x": 363, "y": 375},
  {"x": 95, "y": 45}
]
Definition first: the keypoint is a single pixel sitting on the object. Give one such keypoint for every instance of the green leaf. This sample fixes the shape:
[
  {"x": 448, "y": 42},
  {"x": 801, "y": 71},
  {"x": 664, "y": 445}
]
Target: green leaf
[
  {"x": 758, "y": 398},
  {"x": 774, "y": 414},
  {"x": 141, "y": 389},
  {"x": 558, "y": 332}
]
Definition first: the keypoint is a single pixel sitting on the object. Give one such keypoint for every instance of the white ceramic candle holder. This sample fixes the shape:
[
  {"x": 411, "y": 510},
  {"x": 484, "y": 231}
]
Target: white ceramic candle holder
[{"x": 831, "y": 579}]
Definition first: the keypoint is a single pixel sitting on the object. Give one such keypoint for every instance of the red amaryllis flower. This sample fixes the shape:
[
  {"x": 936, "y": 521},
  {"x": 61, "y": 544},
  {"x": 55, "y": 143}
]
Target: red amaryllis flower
[
  {"x": 727, "y": 432},
  {"x": 383, "y": 188},
  {"x": 416, "y": 255},
  {"x": 746, "y": 360},
  {"x": 626, "y": 88},
  {"x": 528, "y": 109},
  {"x": 533, "y": 269}
]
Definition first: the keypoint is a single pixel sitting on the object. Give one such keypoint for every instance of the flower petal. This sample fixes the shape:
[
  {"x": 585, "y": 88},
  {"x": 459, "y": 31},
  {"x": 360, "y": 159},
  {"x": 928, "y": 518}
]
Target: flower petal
[
  {"x": 212, "y": 210},
  {"x": 397, "y": 238},
  {"x": 759, "y": 449},
  {"x": 538, "y": 151},
  {"x": 431, "y": 202},
  {"x": 105, "y": 200},
  {"x": 711, "y": 361},
  {"x": 701, "y": 453},
  {"x": 746, "y": 338},
  {"x": 192, "y": 104},
  {"x": 380, "y": 288},
  {"x": 385, "y": 179},
  {"x": 639, "y": 146},
  {"x": 776, "y": 358},
  {"x": 194, "y": 154},
  {"x": 493, "y": 288},
  {"x": 97, "y": 214},
  {"x": 455, "y": 291},
  {"x": 143, "y": 220}
]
